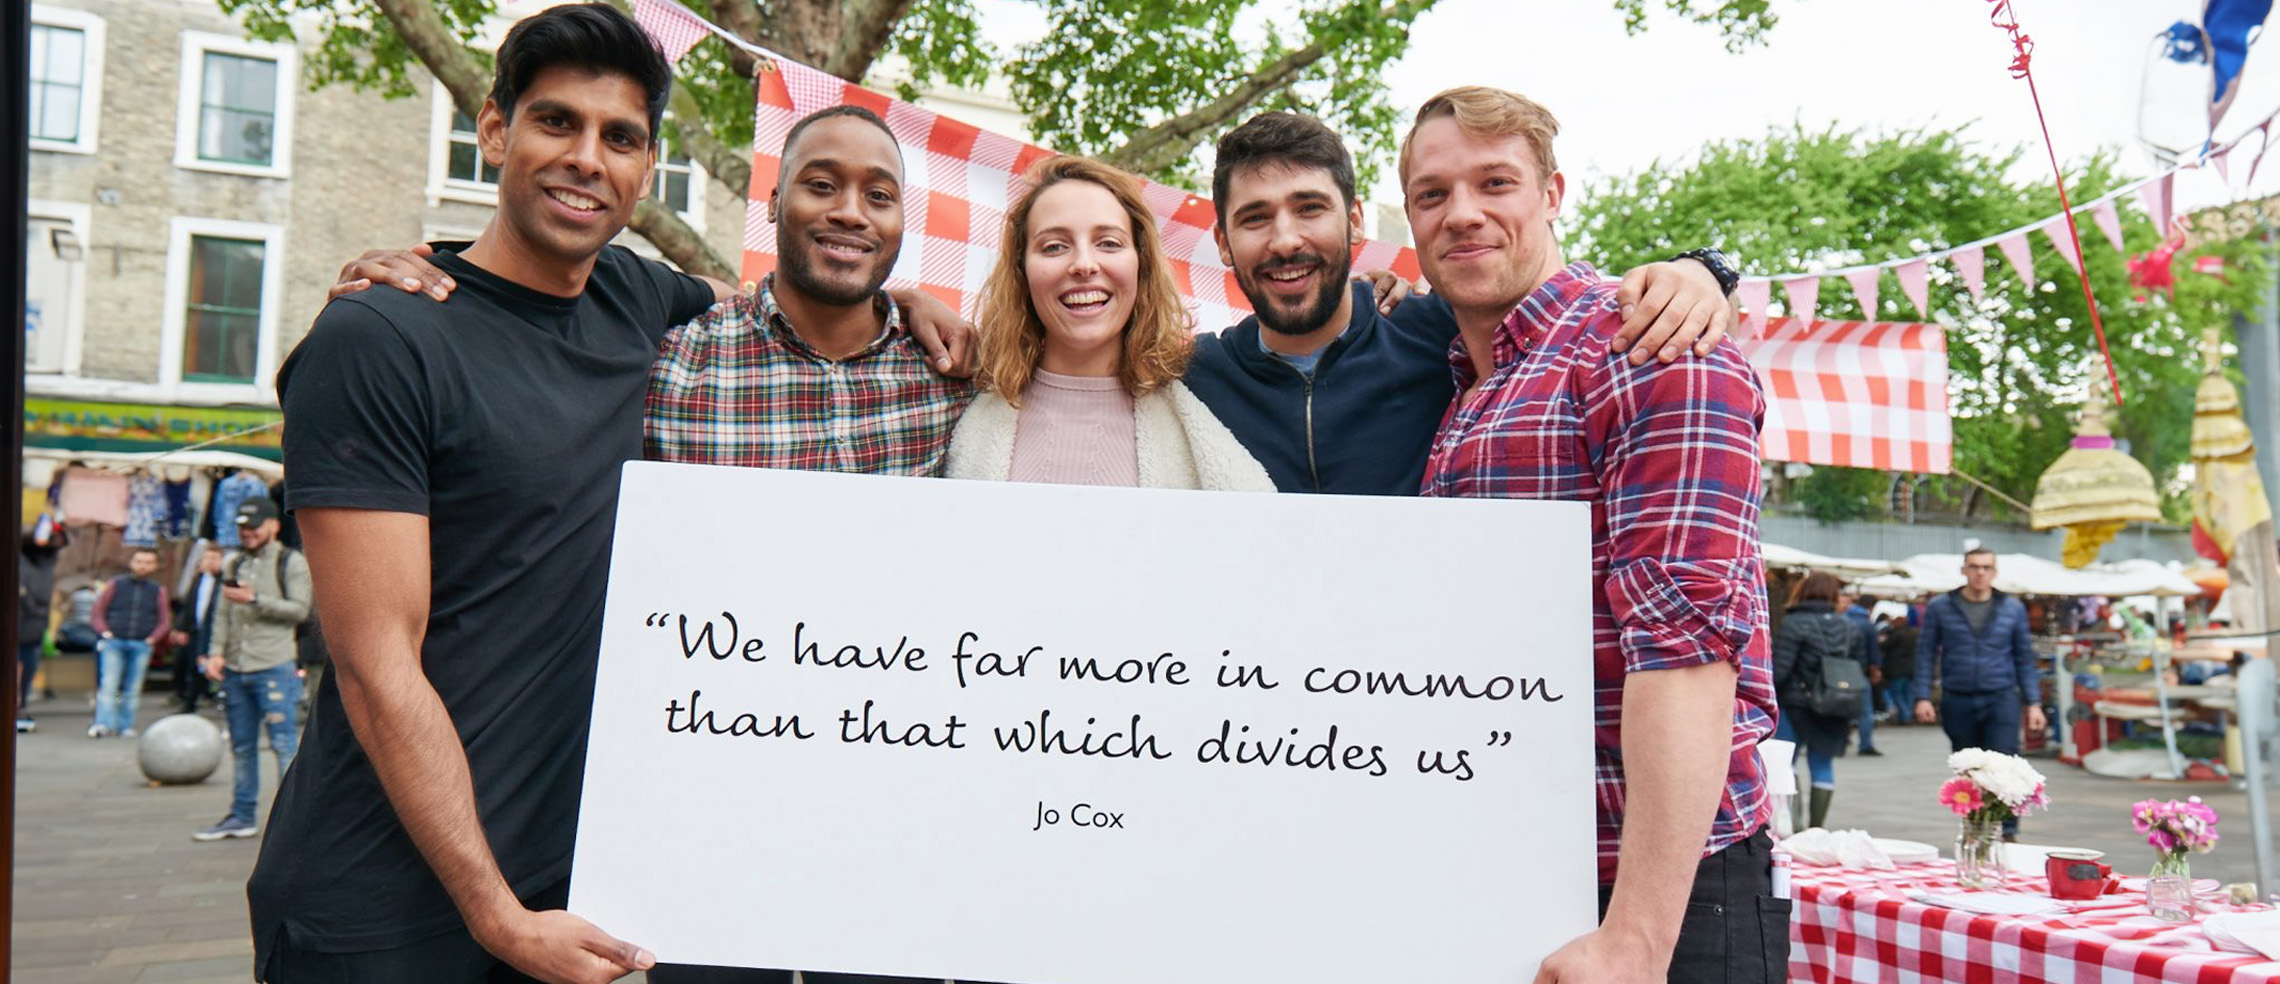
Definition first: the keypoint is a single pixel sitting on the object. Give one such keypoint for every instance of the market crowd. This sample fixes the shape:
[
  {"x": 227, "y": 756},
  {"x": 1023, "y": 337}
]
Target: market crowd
[{"x": 453, "y": 441}]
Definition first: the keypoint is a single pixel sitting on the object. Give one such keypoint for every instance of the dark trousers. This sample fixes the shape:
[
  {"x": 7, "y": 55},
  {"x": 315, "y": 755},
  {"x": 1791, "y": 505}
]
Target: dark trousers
[
  {"x": 452, "y": 958},
  {"x": 1989, "y": 721},
  {"x": 27, "y": 667},
  {"x": 189, "y": 684},
  {"x": 1735, "y": 931}
]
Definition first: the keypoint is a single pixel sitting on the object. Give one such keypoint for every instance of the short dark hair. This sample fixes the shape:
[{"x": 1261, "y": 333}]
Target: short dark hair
[
  {"x": 593, "y": 37},
  {"x": 1975, "y": 551},
  {"x": 139, "y": 551},
  {"x": 1817, "y": 586},
  {"x": 1292, "y": 140},
  {"x": 844, "y": 109}
]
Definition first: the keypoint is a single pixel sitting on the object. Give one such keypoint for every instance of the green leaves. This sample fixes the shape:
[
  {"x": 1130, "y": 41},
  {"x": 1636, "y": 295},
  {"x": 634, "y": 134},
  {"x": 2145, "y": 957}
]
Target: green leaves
[{"x": 1816, "y": 200}]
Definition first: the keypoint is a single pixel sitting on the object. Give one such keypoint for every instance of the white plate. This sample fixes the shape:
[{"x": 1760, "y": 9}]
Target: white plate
[{"x": 1901, "y": 851}]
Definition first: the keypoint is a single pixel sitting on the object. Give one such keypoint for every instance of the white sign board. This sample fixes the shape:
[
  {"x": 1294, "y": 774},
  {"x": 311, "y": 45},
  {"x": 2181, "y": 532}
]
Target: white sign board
[{"x": 1062, "y": 735}]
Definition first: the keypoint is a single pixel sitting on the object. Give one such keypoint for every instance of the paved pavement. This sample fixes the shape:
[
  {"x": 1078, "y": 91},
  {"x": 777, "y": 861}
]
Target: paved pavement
[{"x": 110, "y": 888}]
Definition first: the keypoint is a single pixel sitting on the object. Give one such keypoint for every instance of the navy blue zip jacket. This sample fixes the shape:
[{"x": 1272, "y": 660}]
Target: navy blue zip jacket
[
  {"x": 1997, "y": 659},
  {"x": 1363, "y": 425}
]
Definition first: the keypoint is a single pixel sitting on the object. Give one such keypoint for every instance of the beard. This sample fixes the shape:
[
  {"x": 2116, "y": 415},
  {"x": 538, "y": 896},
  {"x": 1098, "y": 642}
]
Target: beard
[
  {"x": 1314, "y": 312},
  {"x": 804, "y": 273}
]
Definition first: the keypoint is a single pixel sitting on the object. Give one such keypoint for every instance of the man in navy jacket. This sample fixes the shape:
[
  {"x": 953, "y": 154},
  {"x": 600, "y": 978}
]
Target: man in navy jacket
[
  {"x": 1325, "y": 389},
  {"x": 1976, "y": 638}
]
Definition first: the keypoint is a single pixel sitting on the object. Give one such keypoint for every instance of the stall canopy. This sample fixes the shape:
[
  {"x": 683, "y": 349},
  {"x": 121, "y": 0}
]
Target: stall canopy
[
  {"x": 1791, "y": 558},
  {"x": 2027, "y": 574}
]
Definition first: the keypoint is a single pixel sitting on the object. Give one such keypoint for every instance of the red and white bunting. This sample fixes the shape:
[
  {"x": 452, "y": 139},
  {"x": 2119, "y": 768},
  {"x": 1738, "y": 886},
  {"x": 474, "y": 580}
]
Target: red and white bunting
[
  {"x": 1915, "y": 281},
  {"x": 1803, "y": 294},
  {"x": 2022, "y": 261},
  {"x": 1864, "y": 290},
  {"x": 2062, "y": 239},
  {"x": 2109, "y": 222},
  {"x": 1756, "y": 296},
  {"x": 1971, "y": 264},
  {"x": 2224, "y": 165},
  {"x": 673, "y": 27},
  {"x": 2156, "y": 195}
]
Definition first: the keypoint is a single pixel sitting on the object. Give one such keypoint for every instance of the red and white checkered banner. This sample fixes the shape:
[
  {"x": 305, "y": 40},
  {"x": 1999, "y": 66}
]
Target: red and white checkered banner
[
  {"x": 1855, "y": 394},
  {"x": 960, "y": 179},
  {"x": 1867, "y": 396}
]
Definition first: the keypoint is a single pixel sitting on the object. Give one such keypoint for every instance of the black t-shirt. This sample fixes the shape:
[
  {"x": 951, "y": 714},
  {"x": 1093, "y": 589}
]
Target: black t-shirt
[{"x": 502, "y": 415}]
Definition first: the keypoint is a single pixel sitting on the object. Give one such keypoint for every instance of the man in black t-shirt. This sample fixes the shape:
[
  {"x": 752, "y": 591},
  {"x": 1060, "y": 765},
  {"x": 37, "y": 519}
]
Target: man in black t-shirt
[{"x": 455, "y": 477}]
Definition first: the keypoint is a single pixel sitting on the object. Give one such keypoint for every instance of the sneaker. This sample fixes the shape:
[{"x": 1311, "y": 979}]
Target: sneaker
[
  {"x": 1871, "y": 753},
  {"x": 25, "y": 726},
  {"x": 97, "y": 731},
  {"x": 226, "y": 827},
  {"x": 130, "y": 732}
]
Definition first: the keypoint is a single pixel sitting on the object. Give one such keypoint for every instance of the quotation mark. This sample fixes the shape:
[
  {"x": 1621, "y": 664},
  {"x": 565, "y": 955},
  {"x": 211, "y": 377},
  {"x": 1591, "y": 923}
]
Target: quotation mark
[
  {"x": 1497, "y": 738},
  {"x": 657, "y": 620}
]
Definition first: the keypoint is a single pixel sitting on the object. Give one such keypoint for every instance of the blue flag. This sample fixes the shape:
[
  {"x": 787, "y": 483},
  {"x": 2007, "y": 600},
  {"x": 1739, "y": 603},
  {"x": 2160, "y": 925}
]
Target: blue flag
[{"x": 2229, "y": 25}]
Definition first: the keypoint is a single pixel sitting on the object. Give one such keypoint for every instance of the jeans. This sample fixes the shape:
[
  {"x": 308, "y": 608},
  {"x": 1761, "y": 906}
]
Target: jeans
[
  {"x": 272, "y": 697},
  {"x": 1989, "y": 721},
  {"x": 1900, "y": 696},
  {"x": 1822, "y": 767},
  {"x": 27, "y": 667},
  {"x": 1734, "y": 930},
  {"x": 1868, "y": 722},
  {"x": 119, "y": 669}
]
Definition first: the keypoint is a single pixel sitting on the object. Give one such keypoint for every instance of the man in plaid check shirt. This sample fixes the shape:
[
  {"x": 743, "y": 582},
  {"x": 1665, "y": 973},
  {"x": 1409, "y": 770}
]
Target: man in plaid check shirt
[
  {"x": 814, "y": 370},
  {"x": 1668, "y": 457}
]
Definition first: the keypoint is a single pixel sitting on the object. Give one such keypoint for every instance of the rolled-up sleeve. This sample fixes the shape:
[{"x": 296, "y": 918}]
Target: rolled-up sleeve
[{"x": 1676, "y": 449}]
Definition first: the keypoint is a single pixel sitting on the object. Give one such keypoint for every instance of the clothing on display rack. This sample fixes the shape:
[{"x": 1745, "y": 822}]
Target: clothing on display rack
[
  {"x": 233, "y": 490},
  {"x": 93, "y": 496},
  {"x": 146, "y": 510}
]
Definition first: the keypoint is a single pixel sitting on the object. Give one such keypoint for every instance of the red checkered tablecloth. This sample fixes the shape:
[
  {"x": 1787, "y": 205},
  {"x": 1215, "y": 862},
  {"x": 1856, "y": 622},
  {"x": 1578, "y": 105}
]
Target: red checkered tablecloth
[{"x": 1859, "y": 927}]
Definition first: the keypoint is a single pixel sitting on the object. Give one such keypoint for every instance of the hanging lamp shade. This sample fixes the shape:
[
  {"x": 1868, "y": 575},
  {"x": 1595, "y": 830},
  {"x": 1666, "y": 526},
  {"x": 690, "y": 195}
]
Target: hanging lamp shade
[
  {"x": 2093, "y": 490},
  {"x": 2228, "y": 494}
]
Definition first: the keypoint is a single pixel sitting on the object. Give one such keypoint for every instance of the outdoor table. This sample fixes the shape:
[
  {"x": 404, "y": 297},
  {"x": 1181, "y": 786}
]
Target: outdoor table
[{"x": 1858, "y": 927}]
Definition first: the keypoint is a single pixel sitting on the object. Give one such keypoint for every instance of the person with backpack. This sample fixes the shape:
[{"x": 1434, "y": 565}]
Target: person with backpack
[
  {"x": 252, "y": 654},
  {"x": 1820, "y": 678}
]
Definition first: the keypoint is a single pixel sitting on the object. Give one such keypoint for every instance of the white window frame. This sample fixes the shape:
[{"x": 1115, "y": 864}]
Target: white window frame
[
  {"x": 174, "y": 327},
  {"x": 90, "y": 75},
  {"x": 195, "y": 45},
  {"x": 81, "y": 216},
  {"x": 442, "y": 187}
]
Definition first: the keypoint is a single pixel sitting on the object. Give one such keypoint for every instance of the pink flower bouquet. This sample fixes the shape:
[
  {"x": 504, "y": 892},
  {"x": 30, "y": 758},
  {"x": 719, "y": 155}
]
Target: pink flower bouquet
[
  {"x": 2173, "y": 828},
  {"x": 1992, "y": 787}
]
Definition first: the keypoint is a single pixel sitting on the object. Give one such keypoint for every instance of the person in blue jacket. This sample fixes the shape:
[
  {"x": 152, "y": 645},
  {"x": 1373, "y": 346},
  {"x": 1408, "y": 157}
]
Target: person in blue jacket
[{"x": 1976, "y": 638}]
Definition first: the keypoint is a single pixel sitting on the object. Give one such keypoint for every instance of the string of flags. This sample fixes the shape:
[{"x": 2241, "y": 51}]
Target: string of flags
[{"x": 1801, "y": 290}]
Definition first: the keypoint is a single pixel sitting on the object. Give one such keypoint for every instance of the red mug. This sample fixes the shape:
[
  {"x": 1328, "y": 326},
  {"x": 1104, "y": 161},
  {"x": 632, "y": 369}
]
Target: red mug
[{"x": 2077, "y": 874}]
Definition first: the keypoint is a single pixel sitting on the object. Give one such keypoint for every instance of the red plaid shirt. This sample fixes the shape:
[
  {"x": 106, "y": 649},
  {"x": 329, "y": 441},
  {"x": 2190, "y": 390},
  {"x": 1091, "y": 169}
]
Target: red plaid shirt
[
  {"x": 738, "y": 386},
  {"x": 1668, "y": 458}
]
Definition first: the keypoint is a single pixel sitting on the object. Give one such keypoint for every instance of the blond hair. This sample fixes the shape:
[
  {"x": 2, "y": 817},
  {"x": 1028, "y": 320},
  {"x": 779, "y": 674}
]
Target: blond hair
[
  {"x": 1484, "y": 112},
  {"x": 1157, "y": 337}
]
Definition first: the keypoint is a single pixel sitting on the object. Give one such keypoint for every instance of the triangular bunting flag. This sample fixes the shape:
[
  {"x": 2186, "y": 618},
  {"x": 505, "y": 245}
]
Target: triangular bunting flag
[
  {"x": 1915, "y": 281},
  {"x": 675, "y": 28},
  {"x": 1803, "y": 293},
  {"x": 1756, "y": 296},
  {"x": 2263, "y": 143},
  {"x": 1971, "y": 264},
  {"x": 2022, "y": 262},
  {"x": 2224, "y": 165},
  {"x": 2109, "y": 222},
  {"x": 1864, "y": 290},
  {"x": 2156, "y": 195},
  {"x": 2062, "y": 239}
]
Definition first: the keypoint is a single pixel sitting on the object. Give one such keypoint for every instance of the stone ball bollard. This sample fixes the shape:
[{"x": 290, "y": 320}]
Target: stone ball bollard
[{"x": 180, "y": 749}]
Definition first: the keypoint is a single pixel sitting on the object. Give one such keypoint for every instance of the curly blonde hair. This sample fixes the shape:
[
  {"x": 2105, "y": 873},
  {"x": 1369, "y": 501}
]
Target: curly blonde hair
[{"x": 1157, "y": 338}]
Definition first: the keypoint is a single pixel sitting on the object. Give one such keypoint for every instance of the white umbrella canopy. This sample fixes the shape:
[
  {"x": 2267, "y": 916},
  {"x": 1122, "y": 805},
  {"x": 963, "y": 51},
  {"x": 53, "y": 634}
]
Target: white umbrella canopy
[
  {"x": 1791, "y": 558},
  {"x": 2028, "y": 574}
]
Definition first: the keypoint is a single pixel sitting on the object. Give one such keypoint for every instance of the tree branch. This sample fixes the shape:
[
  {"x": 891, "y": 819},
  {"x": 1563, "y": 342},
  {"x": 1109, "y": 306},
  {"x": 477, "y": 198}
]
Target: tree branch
[
  {"x": 863, "y": 35},
  {"x": 469, "y": 82},
  {"x": 727, "y": 165},
  {"x": 1166, "y": 144},
  {"x": 742, "y": 17}
]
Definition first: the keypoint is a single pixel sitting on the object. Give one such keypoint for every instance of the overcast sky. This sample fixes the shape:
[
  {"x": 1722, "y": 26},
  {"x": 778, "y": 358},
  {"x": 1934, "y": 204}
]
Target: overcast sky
[{"x": 1626, "y": 102}]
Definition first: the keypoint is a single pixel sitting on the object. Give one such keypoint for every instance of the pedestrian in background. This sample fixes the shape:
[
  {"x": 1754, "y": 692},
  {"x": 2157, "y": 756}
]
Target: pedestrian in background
[
  {"x": 1812, "y": 633},
  {"x": 1976, "y": 639},
  {"x": 130, "y": 618},
  {"x": 35, "y": 594},
  {"x": 1899, "y": 645},
  {"x": 1855, "y": 608},
  {"x": 194, "y": 630},
  {"x": 265, "y": 594}
]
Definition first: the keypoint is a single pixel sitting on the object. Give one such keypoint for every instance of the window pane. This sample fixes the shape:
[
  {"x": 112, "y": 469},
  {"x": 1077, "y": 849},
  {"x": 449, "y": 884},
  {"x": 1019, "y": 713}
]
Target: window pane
[
  {"x": 42, "y": 36},
  {"x": 464, "y": 161},
  {"x": 255, "y": 85},
  {"x": 677, "y": 190},
  {"x": 462, "y": 123},
  {"x": 234, "y": 135},
  {"x": 55, "y": 111},
  {"x": 66, "y": 49},
  {"x": 222, "y": 328},
  {"x": 214, "y": 82}
]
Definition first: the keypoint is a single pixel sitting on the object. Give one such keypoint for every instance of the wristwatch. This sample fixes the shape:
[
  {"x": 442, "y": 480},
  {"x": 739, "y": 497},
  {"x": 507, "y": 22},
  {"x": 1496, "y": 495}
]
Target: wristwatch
[{"x": 1719, "y": 266}]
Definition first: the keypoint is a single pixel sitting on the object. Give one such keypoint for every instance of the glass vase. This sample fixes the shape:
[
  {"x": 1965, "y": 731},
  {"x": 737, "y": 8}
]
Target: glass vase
[
  {"x": 1979, "y": 853},
  {"x": 2169, "y": 890}
]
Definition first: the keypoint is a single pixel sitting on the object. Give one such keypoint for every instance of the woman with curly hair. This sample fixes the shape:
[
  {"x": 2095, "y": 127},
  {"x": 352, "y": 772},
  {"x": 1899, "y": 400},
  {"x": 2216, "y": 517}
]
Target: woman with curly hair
[{"x": 1083, "y": 339}]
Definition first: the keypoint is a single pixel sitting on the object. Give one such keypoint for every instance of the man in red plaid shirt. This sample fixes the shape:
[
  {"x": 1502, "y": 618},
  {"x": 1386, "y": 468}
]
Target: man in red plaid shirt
[{"x": 1668, "y": 457}]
